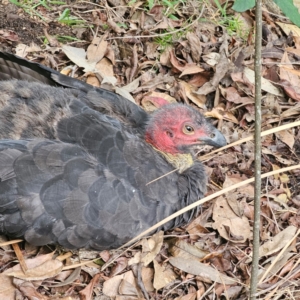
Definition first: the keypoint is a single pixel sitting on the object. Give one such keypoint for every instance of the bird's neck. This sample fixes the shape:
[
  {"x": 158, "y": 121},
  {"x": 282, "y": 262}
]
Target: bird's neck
[{"x": 179, "y": 161}]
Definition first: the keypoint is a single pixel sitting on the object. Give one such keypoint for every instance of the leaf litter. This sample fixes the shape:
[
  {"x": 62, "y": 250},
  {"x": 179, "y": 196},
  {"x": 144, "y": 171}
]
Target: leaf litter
[{"x": 146, "y": 52}]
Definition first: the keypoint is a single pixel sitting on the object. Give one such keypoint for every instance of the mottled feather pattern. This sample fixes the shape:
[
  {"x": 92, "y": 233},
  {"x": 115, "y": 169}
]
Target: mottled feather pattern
[
  {"x": 98, "y": 185},
  {"x": 81, "y": 174}
]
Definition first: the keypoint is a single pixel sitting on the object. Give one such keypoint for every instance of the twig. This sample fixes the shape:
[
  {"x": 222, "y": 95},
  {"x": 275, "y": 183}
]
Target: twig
[
  {"x": 257, "y": 142},
  {"x": 20, "y": 257}
]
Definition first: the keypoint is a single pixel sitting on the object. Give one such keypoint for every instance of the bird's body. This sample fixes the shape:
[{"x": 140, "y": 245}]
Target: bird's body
[{"x": 81, "y": 172}]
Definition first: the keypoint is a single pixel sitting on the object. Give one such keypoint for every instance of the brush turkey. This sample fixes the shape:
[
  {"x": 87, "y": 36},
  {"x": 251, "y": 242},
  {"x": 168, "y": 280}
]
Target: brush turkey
[{"x": 84, "y": 167}]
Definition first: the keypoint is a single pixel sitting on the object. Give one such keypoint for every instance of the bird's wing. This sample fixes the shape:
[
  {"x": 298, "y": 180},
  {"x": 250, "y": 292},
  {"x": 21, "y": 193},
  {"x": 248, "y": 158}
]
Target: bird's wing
[
  {"x": 92, "y": 194},
  {"x": 105, "y": 101}
]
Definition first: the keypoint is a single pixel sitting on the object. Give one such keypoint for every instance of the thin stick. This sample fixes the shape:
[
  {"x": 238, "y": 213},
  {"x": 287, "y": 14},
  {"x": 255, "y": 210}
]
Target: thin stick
[
  {"x": 257, "y": 142},
  {"x": 20, "y": 257}
]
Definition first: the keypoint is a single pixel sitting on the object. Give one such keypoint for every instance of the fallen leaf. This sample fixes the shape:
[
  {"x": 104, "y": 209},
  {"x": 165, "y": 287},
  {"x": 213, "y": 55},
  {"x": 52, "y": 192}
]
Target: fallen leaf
[
  {"x": 97, "y": 49},
  {"x": 78, "y": 56},
  {"x": 190, "y": 92},
  {"x": 153, "y": 246},
  {"x": 276, "y": 243},
  {"x": 199, "y": 269},
  {"x": 232, "y": 227},
  {"x": 178, "y": 247},
  {"x": 47, "y": 269},
  {"x": 191, "y": 69},
  {"x": 288, "y": 28},
  {"x": 162, "y": 275},
  {"x": 266, "y": 85},
  {"x": 286, "y": 137}
]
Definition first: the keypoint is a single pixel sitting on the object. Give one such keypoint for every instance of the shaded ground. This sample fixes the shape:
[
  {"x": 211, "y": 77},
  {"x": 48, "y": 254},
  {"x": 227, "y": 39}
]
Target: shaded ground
[{"x": 28, "y": 30}]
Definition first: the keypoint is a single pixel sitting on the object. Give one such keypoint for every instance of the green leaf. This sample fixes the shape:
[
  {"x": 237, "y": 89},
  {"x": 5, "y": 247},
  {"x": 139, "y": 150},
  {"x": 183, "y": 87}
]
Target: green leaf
[
  {"x": 243, "y": 5},
  {"x": 290, "y": 10}
]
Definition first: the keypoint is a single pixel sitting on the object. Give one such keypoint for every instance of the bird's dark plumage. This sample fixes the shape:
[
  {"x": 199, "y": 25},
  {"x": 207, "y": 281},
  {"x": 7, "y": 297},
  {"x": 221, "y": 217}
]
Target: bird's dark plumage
[{"x": 75, "y": 168}]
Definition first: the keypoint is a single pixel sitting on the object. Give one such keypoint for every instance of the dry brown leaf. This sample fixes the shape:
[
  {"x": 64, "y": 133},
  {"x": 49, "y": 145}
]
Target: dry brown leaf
[
  {"x": 111, "y": 286},
  {"x": 248, "y": 190},
  {"x": 288, "y": 28},
  {"x": 266, "y": 85},
  {"x": 230, "y": 226},
  {"x": 47, "y": 269},
  {"x": 287, "y": 76},
  {"x": 190, "y": 296},
  {"x": 276, "y": 243},
  {"x": 219, "y": 113},
  {"x": 191, "y": 69},
  {"x": 7, "y": 289},
  {"x": 105, "y": 68},
  {"x": 78, "y": 56},
  {"x": 195, "y": 46},
  {"x": 292, "y": 71},
  {"x": 232, "y": 95},
  {"x": 162, "y": 275},
  {"x": 93, "y": 80},
  {"x": 121, "y": 264},
  {"x": 133, "y": 85},
  {"x": 97, "y": 49},
  {"x": 28, "y": 290},
  {"x": 67, "y": 277},
  {"x": 177, "y": 63},
  {"x": 189, "y": 90},
  {"x": 211, "y": 58},
  {"x": 147, "y": 277},
  {"x": 22, "y": 50},
  {"x": 222, "y": 68},
  {"x": 291, "y": 91},
  {"x": 232, "y": 292},
  {"x": 135, "y": 259},
  {"x": 121, "y": 284},
  {"x": 151, "y": 247},
  {"x": 196, "y": 228},
  {"x": 199, "y": 269},
  {"x": 178, "y": 247},
  {"x": 199, "y": 79},
  {"x": 9, "y": 35},
  {"x": 165, "y": 57},
  {"x": 278, "y": 157},
  {"x": 128, "y": 286},
  {"x": 286, "y": 137}
]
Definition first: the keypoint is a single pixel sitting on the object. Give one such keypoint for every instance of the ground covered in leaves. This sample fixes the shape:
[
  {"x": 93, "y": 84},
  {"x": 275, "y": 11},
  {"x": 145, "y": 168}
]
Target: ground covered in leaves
[{"x": 202, "y": 55}]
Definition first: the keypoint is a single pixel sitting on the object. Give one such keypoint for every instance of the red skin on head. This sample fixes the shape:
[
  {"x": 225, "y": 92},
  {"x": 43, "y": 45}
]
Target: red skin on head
[{"x": 167, "y": 132}]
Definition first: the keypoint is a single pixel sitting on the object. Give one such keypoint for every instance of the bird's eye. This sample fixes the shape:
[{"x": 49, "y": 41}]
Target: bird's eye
[{"x": 188, "y": 129}]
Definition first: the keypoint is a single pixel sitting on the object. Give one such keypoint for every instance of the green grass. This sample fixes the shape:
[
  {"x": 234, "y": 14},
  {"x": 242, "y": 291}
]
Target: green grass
[
  {"x": 232, "y": 24},
  {"x": 66, "y": 18},
  {"x": 170, "y": 6},
  {"x": 29, "y": 6}
]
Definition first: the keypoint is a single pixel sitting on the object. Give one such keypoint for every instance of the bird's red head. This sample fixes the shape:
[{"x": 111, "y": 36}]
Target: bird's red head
[{"x": 178, "y": 128}]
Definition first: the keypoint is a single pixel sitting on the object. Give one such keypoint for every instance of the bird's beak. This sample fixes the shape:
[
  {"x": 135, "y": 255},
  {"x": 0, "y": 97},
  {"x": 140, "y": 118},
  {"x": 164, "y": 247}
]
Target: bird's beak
[{"x": 215, "y": 138}]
